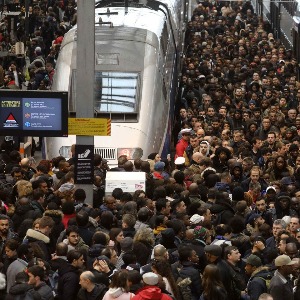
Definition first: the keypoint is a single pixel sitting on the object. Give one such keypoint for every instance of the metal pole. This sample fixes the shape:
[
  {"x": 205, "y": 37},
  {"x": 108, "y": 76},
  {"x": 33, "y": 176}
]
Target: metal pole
[
  {"x": 85, "y": 73},
  {"x": 26, "y": 19}
]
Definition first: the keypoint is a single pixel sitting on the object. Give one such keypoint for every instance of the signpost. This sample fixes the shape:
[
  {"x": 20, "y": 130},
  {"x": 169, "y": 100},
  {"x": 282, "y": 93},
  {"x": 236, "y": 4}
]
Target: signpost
[
  {"x": 84, "y": 164},
  {"x": 85, "y": 75}
]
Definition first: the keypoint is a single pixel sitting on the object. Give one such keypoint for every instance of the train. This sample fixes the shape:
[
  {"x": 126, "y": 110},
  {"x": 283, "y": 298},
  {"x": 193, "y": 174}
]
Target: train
[{"x": 137, "y": 50}]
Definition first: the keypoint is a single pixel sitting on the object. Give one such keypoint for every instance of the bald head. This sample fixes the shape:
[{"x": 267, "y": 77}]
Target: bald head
[
  {"x": 197, "y": 157},
  {"x": 189, "y": 234},
  {"x": 159, "y": 251},
  {"x": 88, "y": 275},
  {"x": 61, "y": 249},
  {"x": 193, "y": 189},
  {"x": 25, "y": 162}
]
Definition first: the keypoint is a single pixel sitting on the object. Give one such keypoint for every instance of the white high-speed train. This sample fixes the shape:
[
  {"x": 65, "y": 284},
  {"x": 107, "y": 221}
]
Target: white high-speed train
[{"x": 137, "y": 62}]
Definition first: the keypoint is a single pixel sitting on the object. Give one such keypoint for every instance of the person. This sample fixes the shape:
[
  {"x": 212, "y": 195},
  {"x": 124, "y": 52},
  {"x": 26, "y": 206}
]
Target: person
[
  {"x": 258, "y": 276},
  {"x": 68, "y": 283},
  {"x": 118, "y": 288},
  {"x": 281, "y": 286},
  {"x": 36, "y": 279},
  {"x": 213, "y": 288},
  {"x": 89, "y": 289},
  {"x": 265, "y": 296},
  {"x": 150, "y": 290}
]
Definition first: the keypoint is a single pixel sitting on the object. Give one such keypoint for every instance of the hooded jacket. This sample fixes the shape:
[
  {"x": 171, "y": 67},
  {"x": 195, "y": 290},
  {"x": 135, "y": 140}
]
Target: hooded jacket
[
  {"x": 68, "y": 282},
  {"x": 19, "y": 290},
  {"x": 118, "y": 294},
  {"x": 41, "y": 240},
  {"x": 233, "y": 178},
  {"x": 150, "y": 292},
  {"x": 97, "y": 293},
  {"x": 257, "y": 282}
]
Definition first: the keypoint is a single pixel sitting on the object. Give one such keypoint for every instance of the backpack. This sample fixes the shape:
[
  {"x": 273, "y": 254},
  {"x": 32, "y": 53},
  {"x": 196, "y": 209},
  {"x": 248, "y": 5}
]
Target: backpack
[
  {"x": 184, "y": 287},
  {"x": 267, "y": 281},
  {"x": 53, "y": 279}
]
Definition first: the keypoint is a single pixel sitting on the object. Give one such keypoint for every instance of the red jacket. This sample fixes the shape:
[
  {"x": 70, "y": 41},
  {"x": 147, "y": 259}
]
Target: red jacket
[
  {"x": 180, "y": 147},
  {"x": 151, "y": 292}
]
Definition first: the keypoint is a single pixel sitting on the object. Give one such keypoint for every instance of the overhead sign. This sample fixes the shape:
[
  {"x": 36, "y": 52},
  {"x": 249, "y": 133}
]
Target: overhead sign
[
  {"x": 90, "y": 126},
  {"x": 33, "y": 113},
  {"x": 84, "y": 164},
  {"x": 127, "y": 181}
]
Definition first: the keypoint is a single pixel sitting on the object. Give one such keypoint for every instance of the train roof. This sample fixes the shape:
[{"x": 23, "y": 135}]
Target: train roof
[{"x": 139, "y": 17}]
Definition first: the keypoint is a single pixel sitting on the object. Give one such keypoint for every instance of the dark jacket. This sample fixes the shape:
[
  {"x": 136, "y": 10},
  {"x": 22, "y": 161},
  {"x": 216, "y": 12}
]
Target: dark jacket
[
  {"x": 188, "y": 269},
  {"x": 19, "y": 291},
  {"x": 94, "y": 251},
  {"x": 97, "y": 293},
  {"x": 23, "y": 212},
  {"x": 86, "y": 235},
  {"x": 41, "y": 243},
  {"x": 280, "y": 290},
  {"x": 218, "y": 293},
  {"x": 257, "y": 282},
  {"x": 43, "y": 290},
  {"x": 68, "y": 282},
  {"x": 225, "y": 211}
]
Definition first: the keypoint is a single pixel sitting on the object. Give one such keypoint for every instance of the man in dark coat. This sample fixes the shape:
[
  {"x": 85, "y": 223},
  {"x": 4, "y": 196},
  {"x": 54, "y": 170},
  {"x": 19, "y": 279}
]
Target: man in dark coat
[
  {"x": 68, "y": 283},
  {"x": 89, "y": 289}
]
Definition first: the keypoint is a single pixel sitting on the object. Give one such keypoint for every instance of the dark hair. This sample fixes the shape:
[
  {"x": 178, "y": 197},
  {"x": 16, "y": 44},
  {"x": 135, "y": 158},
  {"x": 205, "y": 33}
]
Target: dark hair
[
  {"x": 117, "y": 193},
  {"x": 37, "y": 271},
  {"x": 68, "y": 208},
  {"x": 160, "y": 204},
  {"x": 12, "y": 244},
  {"x": 80, "y": 195},
  {"x": 99, "y": 238},
  {"x": 37, "y": 194},
  {"x": 82, "y": 218},
  {"x": 72, "y": 229},
  {"x": 184, "y": 252},
  {"x": 73, "y": 255},
  {"x": 119, "y": 279}
]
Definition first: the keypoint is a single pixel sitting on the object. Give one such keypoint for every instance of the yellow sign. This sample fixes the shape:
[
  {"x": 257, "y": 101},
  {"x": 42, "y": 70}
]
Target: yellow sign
[{"x": 89, "y": 126}]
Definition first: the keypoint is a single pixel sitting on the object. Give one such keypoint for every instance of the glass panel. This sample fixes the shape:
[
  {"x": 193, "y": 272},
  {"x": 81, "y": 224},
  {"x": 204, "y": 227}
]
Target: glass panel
[{"x": 116, "y": 92}]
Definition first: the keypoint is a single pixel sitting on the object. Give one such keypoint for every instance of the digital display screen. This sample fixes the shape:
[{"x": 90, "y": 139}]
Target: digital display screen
[{"x": 33, "y": 113}]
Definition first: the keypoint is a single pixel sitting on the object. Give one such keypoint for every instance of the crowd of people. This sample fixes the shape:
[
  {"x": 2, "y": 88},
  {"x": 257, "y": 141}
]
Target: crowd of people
[{"x": 219, "y": 222}]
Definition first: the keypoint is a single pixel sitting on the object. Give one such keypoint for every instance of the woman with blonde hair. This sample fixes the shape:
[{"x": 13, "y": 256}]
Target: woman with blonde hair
[
  {"x": 24, "y": 188},
  {"x": 143, "y": 243}
]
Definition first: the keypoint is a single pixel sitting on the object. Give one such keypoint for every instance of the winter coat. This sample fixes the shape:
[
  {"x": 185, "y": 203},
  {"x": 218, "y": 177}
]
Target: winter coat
[
  {"x": 94, "y": 251},
  {"x": 19, "y": 291},
  {"x": 23, "y": 212},
  {"x": 281, "y": 290},
  {"x": 219, "y": 293},
  {"x": 68, "y": 282},
  {"x": 150, "y": 292},
  {"x": 117, "y": 294},
  {"x": 245, "y": 184},
  {"x": 225, "y": 211},
  {"x": 257, "y": 282},
  {"x": 19, "y": 265},
  {"x": 40, "y": 243},
  {"x": 43, "y": 290},
  {"x": 96, "y": 294}
]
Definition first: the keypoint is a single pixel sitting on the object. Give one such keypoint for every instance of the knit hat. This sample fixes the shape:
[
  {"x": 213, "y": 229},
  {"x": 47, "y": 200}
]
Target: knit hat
[
  {"x": 159, "y": 166},
  {"x": 200, "y": 232}
]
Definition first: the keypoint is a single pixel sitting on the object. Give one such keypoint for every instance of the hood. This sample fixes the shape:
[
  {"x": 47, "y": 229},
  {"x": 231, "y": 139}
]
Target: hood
[
  {"x": 262, "y": 271},
  {"x": 66, "y": 268},
  {"x": 236, "y": 165},
  {"x": 218, "y": 207},
  {"x": 115, "y": 292},
  {"x": 37, "y": 235},
  {"x": 150, "y": 292},
  {"x": 19, "y": 288},
  {"x": 56, "y": 215}
]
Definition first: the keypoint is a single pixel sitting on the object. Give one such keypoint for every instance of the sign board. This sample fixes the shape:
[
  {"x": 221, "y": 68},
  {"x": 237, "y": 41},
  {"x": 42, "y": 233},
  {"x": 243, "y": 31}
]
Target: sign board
[
  {"x": 33, "y": 113},
  {"x": 127, "y": 181},
  {"x": 90, "y": 126},
  {"x": 84, "y": 164}
]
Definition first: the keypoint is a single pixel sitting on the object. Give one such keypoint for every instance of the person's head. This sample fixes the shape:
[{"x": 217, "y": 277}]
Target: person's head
[
  {"x": 45, "y": 225},
  {"x": 75, "y": 258},
  {"x": 187, "y": 254},
  {"x": 291, "y": 250},
  {"x": 260, "y": 205},
  {"x": 163, "y": 206},
  {"x": 211, "y": 276},
  {"x": 294, "y": 224},
  {"x": 278, "y": 225},
  {"x": 61, "y": 249},
  {"x": 87, "y": 280},
  {"x": 128, "y": 221},
  {"x": 254, "y": 174},
  {"x": 36, "y": 275},
  {"x": 4, "y": 225},
  {"x": 116, "y": 235},
  {"x": 110, "y": 202},
  {"x": 284, "y": 264},
  {"x": 252, "y": 263},
  {"x": 160, "y": 252},
  {"x": 11, "y": 247},
  {"x": 111, "y": 254},
  {"x": 72, "y": 234},
  {"x": 119, "y": 280},
  {"x": 271, "y": 138},
  {"x": 232, "y": 254},
  {"x": 265, "y": 296}
]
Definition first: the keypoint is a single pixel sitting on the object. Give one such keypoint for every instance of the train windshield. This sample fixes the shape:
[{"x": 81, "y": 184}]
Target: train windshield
[{"x": 116, "y": 92}]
